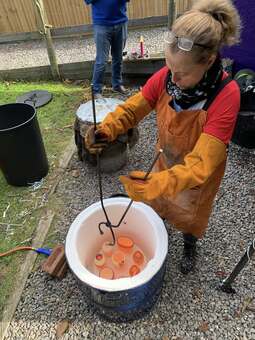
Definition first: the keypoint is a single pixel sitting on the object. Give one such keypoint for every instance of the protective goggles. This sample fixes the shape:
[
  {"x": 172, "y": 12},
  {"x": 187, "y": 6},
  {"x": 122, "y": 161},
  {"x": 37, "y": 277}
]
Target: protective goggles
[{"x": 183, "y": 43}]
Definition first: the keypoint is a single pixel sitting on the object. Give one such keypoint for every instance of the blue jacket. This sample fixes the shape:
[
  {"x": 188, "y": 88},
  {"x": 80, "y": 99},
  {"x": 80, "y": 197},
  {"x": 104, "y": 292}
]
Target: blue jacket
[{"x": 108, "y": 12}]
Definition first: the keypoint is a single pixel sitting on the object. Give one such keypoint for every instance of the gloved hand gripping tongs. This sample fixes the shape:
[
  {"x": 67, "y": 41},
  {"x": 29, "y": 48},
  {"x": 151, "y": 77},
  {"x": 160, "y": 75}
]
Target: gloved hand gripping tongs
[{"x": 108, "y": 223}]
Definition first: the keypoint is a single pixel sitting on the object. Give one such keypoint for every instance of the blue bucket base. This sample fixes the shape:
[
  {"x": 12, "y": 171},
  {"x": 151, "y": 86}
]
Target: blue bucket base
[
  {"x": 133, "y": 314},
  {"x": 128, "y": 305}
]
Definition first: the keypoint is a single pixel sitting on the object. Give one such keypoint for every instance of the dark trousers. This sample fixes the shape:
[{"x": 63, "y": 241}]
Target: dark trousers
[{"x": 109, "y": 38}]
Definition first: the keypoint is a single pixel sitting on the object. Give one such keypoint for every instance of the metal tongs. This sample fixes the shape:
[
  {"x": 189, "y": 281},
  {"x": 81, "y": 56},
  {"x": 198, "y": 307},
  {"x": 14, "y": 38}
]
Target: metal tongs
[{"x": 108, "y": 223}]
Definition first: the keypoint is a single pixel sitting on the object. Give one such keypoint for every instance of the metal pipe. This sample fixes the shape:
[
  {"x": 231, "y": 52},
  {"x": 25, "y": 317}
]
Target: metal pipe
[
  {"x": 226, "y": 285},
  {"x": 93, "y": 107}
]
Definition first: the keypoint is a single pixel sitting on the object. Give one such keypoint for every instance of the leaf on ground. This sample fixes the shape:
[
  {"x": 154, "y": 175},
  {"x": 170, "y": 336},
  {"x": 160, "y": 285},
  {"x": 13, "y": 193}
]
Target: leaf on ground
[
  {"x": 68, "y": 81},
  {"x": 75, "y": 173},
  {"x": 221, "y": 274},
  {"x": 62, "y": 327},
  {"x": 244, "y": 306},
  {"x": 203, "y": 327},
  {"x": 242, "y": 244},
  {"x": 226, "y": 318},
  {"x": 251, "y": 192},
  {"x": 198, "y": 293},
  {"x": 251, "y": 308},
  {"x": 78, "y": 82}
]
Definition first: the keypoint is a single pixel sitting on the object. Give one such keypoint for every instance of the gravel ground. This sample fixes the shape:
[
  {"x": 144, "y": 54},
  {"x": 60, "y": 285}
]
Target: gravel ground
[
  {"x": 34, "y": 53},
  {"x": 189, "y": 307}
]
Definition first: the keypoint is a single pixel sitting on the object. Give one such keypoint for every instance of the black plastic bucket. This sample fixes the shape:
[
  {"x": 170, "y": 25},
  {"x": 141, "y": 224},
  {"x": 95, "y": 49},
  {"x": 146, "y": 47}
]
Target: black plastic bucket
[
  {"x": 23, "y": 158},
  {"x": 244, "y": 133}
]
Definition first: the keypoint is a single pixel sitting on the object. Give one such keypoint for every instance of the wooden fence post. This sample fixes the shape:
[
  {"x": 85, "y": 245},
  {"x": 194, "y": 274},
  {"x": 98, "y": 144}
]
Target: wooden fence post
[
  {"x": 44, "y": 29},
  {"x": 171, "y": 13}
]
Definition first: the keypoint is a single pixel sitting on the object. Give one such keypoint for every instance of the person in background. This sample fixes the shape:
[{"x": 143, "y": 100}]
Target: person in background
[
  {"x": 196, "y": 104},
  {"x": 110, "y": 33}
]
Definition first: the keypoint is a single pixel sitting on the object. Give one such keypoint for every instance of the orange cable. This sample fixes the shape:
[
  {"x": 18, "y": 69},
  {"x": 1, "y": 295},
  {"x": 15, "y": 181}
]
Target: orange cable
[{"x": 9, "y": 252}]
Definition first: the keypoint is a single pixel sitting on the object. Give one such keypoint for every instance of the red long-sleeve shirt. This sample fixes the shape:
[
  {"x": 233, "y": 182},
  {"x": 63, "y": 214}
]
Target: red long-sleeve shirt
[{"x": 222, "y": 113}]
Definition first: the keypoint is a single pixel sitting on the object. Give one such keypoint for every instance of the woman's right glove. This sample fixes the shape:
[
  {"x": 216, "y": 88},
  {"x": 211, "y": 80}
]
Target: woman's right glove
[
  {"x": 125, "y": 116},
  {"x": 118, "y": 122},
  {"x": 96, "y": 141}
]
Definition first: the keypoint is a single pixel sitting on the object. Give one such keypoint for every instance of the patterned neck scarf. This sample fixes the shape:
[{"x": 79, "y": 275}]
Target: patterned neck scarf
[{"x": 203, "y": 90}]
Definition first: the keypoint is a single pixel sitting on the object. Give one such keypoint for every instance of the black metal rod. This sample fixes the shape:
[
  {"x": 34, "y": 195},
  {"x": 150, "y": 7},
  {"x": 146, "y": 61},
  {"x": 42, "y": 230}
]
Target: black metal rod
[
  {"x": 100, "y": 187},
  {"x": 93, "y": 107},
  {"x": 125, "y": 213},
  {"x": 145, "y": 177},
  {"x": 226, "y": 284},
  {"x": 108, "y": 223},
  {"x": 153, "y": 163}
]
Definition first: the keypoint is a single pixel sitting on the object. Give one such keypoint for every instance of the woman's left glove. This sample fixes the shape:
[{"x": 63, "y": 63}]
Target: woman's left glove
[{"x": 145, "y": 190}]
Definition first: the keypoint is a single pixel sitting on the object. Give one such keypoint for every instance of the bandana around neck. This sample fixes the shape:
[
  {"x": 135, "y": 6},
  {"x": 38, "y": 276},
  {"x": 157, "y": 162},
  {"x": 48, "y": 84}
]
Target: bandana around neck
[{"x": 206, "y": 86}]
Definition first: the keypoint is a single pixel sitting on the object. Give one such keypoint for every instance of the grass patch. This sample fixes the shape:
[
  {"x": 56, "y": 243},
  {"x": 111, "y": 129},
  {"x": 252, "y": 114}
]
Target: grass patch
[{"x": 21, "y": 208}]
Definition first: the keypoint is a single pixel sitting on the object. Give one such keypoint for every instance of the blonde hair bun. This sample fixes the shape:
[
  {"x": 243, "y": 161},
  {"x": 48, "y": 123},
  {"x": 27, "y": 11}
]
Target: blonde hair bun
[{"x": 226, "y": 14}]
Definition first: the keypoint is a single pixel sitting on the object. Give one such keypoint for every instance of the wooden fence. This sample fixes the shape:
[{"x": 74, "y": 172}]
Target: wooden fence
[
  {"x": 182, "y": 6},
  {"x": 18, "y": 16}
]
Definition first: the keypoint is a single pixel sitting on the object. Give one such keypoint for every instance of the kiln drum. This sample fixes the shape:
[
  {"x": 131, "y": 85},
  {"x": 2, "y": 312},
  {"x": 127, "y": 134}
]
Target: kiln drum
[{"x": 114, "y": 157}]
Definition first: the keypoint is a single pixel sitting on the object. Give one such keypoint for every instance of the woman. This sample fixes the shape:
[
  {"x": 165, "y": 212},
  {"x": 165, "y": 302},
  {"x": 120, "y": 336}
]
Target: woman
[{"x": 196, "y": 105}]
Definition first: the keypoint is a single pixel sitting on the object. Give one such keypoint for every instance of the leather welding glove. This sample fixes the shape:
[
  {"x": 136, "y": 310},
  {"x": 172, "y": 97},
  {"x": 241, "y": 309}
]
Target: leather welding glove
[
  {"x": 125, "y": 116},
  {"x": 95, "y": 141},
  {"x": 208, "y": 153}
]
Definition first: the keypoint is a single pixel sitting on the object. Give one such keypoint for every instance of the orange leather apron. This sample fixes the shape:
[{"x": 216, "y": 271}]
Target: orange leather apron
[{"x": 178, "y": 133}]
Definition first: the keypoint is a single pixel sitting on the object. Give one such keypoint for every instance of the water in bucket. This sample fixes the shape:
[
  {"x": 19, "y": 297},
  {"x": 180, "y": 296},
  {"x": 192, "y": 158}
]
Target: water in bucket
[{"x": 124, "y": 259}]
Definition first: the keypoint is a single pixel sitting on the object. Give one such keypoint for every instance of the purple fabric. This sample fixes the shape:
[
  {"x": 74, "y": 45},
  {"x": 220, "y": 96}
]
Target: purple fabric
[{"x": 244, "y": 54}]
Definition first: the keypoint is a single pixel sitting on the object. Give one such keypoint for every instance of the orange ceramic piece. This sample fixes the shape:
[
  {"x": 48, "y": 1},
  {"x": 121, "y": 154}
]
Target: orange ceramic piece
[
  {"x": 99, "y": 260},
  {"x": 118, "y": 258},
  {"x": 125, "y": 242},
  {"x": 107, "y": 248},
  {"x": 134, "y": 270},
  {"x": 138, "y": 257},
  {"x": 106, "y": 273}
]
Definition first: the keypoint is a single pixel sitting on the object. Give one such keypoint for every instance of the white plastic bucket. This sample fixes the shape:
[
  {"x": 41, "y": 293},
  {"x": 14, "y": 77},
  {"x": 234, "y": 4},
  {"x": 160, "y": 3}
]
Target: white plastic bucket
[{"x": 141, "y": 223}]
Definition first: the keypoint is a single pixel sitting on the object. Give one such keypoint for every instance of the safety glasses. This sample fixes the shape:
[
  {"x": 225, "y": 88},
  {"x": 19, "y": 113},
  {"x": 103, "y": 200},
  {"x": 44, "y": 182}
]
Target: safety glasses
[{"x": 183, "y": 43}]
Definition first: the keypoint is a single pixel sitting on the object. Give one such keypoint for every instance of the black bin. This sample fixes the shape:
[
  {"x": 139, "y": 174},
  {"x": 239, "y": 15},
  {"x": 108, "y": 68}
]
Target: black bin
[
  {"x": 23, "y": 158},
  {"x": 244, "y": 133}
]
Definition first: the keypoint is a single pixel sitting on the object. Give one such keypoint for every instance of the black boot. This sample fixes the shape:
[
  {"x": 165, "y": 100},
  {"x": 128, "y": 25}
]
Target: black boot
[{"x": 188, "y": 260}]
